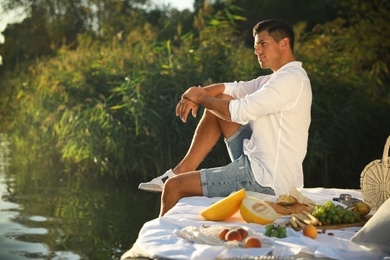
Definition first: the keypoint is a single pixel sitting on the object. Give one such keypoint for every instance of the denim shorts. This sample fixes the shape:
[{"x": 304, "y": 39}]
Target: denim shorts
[{"x": 221, "y": 181}]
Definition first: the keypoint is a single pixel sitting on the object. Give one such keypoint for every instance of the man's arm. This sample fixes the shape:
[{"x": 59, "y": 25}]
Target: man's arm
[
  {"x": 207, "y": 97},
  {"x": 214, "y": 89},
  {"x": 218, "y": 106}
]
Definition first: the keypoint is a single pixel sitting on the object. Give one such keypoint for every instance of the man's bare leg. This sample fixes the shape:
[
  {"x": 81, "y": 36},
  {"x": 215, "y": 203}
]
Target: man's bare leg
[
  {"x": 182, "y": 185},
  {"x": 206, "y": 135},
  {"x": 187, "y": 181}
]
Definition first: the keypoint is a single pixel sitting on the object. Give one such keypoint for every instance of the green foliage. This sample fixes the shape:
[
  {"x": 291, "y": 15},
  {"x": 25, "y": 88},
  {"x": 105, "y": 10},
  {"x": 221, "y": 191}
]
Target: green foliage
[
  {"x": 107, "y": 106},
  {"x": 293, "y": 12},
  {"x": 350, "y": 105},
  {"x": 51, "y": 24}
]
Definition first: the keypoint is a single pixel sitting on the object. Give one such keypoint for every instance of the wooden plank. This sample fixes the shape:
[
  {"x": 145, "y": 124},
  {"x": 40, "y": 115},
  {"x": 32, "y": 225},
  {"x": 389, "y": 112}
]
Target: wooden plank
[
  {"x": 361, "y": 223},
  {"x": 341, "y": 226}
]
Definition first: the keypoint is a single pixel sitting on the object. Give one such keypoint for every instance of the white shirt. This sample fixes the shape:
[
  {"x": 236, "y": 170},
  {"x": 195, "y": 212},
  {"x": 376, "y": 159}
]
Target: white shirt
[{"x": 277, "y": 107}]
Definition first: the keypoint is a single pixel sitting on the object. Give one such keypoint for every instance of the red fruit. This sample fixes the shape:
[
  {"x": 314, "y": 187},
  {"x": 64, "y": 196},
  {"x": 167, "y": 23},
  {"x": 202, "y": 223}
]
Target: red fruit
[
  {"x": 252, "y": 242},
  {"x": 233, "y": 235},
  {"x": 243, "y": 232},
  {"x": 222, "y": 233}
]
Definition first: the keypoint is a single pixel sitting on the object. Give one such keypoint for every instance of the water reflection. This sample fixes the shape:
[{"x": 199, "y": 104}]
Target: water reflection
[{"x": 45, "y": 214}]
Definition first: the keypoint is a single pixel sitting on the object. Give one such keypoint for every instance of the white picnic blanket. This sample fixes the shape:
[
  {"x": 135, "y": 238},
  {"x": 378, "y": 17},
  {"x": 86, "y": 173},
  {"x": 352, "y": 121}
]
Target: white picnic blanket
[{"x": 161, "y": 237}]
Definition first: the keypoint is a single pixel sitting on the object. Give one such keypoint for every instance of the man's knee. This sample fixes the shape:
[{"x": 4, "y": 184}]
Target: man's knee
[
  {"x": 173, "y": 187},
  {"x": 170, "y": 184},
  {"x": 183, "y": 186}
]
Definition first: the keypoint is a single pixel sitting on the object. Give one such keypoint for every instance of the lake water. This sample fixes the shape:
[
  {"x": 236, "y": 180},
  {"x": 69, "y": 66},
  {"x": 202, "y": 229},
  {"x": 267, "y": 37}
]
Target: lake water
[{"x": 46, "y": 214}]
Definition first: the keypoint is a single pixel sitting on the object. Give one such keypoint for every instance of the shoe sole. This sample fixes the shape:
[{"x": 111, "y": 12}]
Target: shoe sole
[
  {"x": 156, "y": 190},
  {"x": 150, "y": 190}
]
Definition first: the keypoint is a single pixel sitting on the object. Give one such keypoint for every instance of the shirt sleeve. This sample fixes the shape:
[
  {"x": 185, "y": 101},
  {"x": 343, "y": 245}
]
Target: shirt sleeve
[
  {"x": 279, "y": 93},
  {"x": 240, "y": 89}
]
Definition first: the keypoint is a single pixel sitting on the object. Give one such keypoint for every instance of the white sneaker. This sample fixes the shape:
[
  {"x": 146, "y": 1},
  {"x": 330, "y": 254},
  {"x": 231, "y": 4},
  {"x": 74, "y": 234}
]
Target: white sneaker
[{"x": 156, "y": 184}]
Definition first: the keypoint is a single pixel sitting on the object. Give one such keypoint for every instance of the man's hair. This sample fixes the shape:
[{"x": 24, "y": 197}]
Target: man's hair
[{"x": 277, "y": 29}]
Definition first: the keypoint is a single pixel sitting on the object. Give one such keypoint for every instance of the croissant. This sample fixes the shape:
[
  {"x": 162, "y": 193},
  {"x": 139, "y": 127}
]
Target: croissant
[{"x": 287, "y": 205}]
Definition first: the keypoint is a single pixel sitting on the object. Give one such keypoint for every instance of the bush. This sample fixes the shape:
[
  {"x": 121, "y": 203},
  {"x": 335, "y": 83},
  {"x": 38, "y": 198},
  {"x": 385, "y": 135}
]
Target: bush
[{"x": 108, "y": 108}]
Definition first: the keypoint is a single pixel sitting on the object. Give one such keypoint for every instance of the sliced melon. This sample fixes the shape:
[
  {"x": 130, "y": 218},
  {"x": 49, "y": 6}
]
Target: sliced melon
[
  {"x": 225, "y": 207},
  {"x": 254, "y": 210}
]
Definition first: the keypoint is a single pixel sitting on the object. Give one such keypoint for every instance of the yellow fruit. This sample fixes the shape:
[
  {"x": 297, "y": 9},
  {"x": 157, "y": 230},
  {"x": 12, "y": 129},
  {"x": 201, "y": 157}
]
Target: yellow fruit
[
  {"x": 224, "y": 208},
  {"x": 363, "y": 208},
  {"x": 255, "y": 210},
  {"x": 310, "y": 231}
]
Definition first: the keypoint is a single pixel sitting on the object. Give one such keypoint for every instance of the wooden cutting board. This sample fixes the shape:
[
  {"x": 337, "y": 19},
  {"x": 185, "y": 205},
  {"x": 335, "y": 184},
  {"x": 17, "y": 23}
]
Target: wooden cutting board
[
  {"x": 361, "y": 223},
  {"x": 341, "y": 226}
]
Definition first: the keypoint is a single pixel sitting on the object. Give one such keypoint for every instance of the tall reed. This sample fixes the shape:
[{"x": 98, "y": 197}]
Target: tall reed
[{"x": 108, "y": 108}]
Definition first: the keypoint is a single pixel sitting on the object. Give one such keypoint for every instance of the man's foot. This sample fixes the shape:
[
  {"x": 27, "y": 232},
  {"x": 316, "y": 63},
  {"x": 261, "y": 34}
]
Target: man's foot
[{"x": 156, "y": 184}]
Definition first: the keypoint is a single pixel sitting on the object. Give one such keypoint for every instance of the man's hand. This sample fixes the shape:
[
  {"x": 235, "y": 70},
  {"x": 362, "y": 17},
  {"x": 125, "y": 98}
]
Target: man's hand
[
  {"x": 183, "y": 109},
  {"x": 209, "y": 97},
  {"x": 189, "y": 101},
  {"x": 194, "y": 93}
]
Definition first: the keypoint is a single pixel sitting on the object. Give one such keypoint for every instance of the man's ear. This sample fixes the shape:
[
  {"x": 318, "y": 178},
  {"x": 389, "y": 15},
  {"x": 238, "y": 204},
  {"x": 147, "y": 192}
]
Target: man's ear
[{"x": 284, "y": 42}]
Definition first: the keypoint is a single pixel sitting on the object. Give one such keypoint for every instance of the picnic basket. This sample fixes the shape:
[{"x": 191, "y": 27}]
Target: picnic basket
[{"x": 375, "y": 180}]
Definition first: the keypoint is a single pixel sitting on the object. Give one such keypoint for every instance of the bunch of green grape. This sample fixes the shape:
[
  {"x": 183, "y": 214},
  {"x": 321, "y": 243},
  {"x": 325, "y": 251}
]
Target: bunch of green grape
[
  {"x": 275, "y": 231},
  {"x": 329, "y": 213}
]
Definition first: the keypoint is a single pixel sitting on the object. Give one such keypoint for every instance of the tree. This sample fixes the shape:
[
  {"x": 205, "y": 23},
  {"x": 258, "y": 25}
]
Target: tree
[
  {"x": 25, "y": 41},
  {"x": 51, "y": 24},
  {"x": 292, "y": 11},
  {"x": 369, "y": 42}
]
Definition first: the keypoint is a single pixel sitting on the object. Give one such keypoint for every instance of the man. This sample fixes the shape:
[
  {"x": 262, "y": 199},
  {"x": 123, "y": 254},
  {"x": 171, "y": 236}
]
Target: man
[{"x": 265, "y": 123}]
